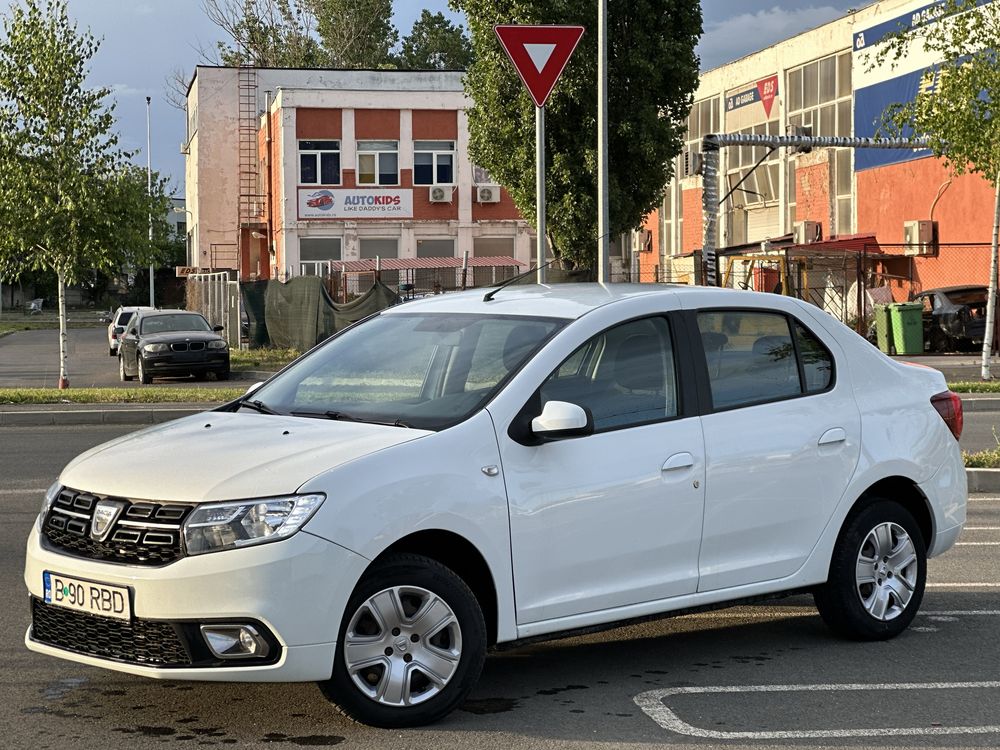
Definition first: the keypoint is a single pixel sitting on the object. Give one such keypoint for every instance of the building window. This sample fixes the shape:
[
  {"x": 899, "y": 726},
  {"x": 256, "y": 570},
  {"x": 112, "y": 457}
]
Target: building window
[
  {"x": 435, "y": 248},
  {"x": 819, "y": 97},
  {"x": 378, "y": 162},
  {"x": 379, "y": 247},
  {"x": 319, "y": 162},
  {"x": 317, "y": 255},
  {"x": 433, "y": 162},
  {"x": 703, "y": 120}
]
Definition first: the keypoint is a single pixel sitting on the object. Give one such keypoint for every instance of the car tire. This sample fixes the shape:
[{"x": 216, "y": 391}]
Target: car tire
[
  {"x": 223, "y": 374},
  {"x": 144, "y": 377},
  {"x": 122, "y": 375},
  {"x": 111, "y": 352},
  {"x": 386, "y": 672},
  {"x": 878, "y": 605}
]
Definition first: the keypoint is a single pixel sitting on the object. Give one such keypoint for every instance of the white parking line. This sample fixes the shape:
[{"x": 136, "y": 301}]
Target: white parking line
[
  {"x": 982, "y": 528},
  {"x": 653, "y": 705},
  {"x": 963, "y": 585},
  {"x": 810, "y": 612},
  {"x": 26, "y": 490},
  {"x": 977, "y": 544}
]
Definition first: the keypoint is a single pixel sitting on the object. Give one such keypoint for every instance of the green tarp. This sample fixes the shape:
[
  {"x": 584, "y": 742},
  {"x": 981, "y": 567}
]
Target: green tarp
[{"x": 300, "y": 313}]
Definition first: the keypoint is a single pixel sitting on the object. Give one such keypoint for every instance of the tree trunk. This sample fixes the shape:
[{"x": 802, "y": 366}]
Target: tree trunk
[
  {"x": 63, "y": 378},
  {"x": 991, "y": 299}
]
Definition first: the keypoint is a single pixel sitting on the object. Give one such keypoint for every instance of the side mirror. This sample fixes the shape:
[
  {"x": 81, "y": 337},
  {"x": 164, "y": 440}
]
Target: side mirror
[
  {"x": 119, "y": 330},
  {"x": 216, "y": 328},
  {"x": 561, "y": 419}
]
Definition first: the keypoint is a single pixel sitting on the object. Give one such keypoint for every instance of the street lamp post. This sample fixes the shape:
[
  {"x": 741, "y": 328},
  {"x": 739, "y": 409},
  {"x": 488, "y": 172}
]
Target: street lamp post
[{"x": 149, "y": 194}]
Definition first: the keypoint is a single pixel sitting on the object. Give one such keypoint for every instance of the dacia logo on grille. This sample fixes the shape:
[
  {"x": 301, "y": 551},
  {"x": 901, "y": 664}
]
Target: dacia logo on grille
[{"x": 105, "y": 515}]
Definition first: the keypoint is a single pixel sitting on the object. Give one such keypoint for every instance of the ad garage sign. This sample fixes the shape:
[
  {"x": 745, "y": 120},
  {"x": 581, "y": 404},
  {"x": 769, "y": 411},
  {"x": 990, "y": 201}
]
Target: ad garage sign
[{"x": 336, "y": 203}]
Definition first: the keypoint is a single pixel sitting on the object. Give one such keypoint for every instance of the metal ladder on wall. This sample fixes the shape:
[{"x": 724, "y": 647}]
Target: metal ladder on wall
[{"x": 251, "y": 199}]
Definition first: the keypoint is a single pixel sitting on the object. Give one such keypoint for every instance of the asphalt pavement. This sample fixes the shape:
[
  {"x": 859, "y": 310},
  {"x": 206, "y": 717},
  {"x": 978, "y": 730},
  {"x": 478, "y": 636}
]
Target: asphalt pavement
[{"x": 758, "y": 677}]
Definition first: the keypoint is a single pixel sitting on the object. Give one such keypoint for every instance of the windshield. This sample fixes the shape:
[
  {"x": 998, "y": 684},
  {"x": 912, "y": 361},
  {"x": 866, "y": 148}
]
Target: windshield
[
  {"x": 168, "y": 323},
  {"x": 428, "y": 371}
]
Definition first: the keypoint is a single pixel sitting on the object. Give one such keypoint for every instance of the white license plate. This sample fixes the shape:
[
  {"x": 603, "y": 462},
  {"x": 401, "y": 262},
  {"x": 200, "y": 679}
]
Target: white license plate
[{"x": 86, "y": 596}]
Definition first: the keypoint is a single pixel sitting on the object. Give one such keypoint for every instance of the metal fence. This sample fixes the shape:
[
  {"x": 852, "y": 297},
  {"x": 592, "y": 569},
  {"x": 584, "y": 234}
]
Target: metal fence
[{"x": 216, "y": 297}]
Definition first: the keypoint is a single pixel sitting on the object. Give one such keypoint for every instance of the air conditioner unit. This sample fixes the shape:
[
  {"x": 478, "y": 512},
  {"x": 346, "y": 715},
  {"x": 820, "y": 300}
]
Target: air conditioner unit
[
  {"x": 805, "y": 232},
  {"x": 693, "y": 163},
  {"x": 920, "y": 237},
  {"x": 488, "y": 194},
  {"x": 439, "y": 194}
]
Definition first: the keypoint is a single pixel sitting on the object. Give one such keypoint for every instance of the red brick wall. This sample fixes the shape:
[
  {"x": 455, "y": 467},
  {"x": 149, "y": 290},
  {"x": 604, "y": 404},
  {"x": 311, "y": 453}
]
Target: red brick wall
[
  {"x": 376, "y": 124},
  {"x": 692, "y": 234},
  {"x": 889, "y": 196},
  {"x": 318, "y": 123},
  {"x": 648, "y": 262},
  {"x": 812, "y": 190},
  {"x": 435, "y": 125},
  {"x": 504, "y": 210}
]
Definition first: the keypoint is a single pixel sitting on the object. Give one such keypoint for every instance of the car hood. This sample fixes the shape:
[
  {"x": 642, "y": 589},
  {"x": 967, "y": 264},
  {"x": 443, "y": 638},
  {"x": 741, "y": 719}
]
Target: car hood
[
  {"x": 170, "y": 336},
  {"x": 225, "y": 456}
]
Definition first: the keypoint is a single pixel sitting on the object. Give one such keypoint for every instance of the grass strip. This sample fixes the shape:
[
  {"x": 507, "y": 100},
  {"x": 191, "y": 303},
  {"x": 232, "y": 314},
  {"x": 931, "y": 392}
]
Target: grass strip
[
  {"x": 245, "y": 359},
  {"x": 145, "y": 395},
  {"x": 975, "y": 386}
]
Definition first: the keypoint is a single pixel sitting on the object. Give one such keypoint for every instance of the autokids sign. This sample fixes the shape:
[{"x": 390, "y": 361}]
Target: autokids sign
[
  {"x": 765, "y": 91},
  {"x": 326, "y": 203}
]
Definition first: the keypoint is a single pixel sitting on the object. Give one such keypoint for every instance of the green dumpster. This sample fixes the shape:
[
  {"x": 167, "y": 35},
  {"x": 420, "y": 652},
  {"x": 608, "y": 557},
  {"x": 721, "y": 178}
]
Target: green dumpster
[
  {"x": 883, "y": 328},
  {"x": 908, "y": 327}
]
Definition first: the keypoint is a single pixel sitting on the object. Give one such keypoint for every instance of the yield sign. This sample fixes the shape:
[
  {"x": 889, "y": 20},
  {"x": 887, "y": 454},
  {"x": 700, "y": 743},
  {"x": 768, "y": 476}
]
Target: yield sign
[{"x": 539, "y": 54}]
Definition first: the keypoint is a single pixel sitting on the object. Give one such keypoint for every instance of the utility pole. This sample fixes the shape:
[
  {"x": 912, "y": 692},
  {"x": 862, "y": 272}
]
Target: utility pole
[{"x": 149, "y": 194}]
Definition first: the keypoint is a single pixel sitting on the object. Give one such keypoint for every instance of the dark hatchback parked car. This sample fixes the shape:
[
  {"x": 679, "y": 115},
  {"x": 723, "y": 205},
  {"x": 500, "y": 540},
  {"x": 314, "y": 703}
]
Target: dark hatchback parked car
[
  {"x": 954, "y": 317},
  {"x": 171, "y": 343}
]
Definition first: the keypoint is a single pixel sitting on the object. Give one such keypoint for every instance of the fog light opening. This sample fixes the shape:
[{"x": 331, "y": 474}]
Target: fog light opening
[{"x": 234, "y": 641}]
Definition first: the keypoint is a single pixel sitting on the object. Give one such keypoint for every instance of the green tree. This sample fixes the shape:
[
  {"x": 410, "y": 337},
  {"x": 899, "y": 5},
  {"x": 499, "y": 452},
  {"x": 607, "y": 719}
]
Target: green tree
[
  {"x": 435, "y": 43},
  {"x": 652, "y": 72},
  {"x": 267, "y": 33},
  {"x": 70, "y": 202},
  {"x": 956, "y": 109},
  {"x": 356, "y": 33}
]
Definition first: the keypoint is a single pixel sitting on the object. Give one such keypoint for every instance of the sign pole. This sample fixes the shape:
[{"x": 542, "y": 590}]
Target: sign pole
[
  {"x": 603, "y": 217},
  {"x": 540, "y": 190}
]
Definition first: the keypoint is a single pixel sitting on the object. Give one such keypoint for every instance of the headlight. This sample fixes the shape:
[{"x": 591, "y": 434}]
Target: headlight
[
  {"x": 50, "y": 497},
  {"x": 216, "y": 344},
  {"x": 153, "y": 348},
  {"x": 218, "y": 526}
]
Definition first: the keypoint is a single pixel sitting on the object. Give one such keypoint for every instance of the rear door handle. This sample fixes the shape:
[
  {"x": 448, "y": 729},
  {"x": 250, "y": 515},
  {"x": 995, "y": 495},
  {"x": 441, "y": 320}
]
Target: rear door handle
[
  {"x": 678, "y": 461},
  {"x": 833, "y": 435}
]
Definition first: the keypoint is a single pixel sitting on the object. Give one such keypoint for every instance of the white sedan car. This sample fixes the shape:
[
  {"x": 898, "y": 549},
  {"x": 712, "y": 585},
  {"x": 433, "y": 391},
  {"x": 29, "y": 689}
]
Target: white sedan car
[{"x": 461, "y": 471}]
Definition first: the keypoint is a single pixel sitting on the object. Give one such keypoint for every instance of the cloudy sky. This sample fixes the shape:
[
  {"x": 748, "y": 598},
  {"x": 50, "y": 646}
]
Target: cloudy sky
[{"x": 143, "y": 40}]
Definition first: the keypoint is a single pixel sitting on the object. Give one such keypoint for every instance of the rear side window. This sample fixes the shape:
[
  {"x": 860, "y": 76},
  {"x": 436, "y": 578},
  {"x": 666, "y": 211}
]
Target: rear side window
[
  {"x": 123, "y": 318},
  {"x": 752, "y": 358}
]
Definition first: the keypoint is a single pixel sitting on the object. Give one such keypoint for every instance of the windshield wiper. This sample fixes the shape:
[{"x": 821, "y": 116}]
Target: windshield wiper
[
  {"x": 341, "y": 416},
  {"x": 258, "y": 406}
]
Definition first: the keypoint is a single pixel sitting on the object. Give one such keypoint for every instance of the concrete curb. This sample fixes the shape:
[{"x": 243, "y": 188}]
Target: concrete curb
[
  {"x": 60, "y": 416},
  {"x": 980, "y": 402},
  {"x": 983, "y": 480}
]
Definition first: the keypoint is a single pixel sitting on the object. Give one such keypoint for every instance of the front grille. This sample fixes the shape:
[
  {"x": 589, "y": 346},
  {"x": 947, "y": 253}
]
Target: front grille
[
  {"x": 137, "y": 642},
  {"x": 144, "y": 533},
  {"x": 182, "y": 346}
]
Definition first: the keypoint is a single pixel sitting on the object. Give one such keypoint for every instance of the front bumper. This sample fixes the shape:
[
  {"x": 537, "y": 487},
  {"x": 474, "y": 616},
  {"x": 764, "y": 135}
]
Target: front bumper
[
  {"x": 169, "y": 363},
  {"x": 297, "y": 588}
]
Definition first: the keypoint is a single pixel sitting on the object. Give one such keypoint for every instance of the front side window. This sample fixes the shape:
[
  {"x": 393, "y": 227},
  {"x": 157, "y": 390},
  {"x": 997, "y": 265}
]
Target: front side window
[
  {"x": 378, "y": 162},
  {"x": 319, "y": 162},
  {"x": 427, "y": 371},
  {"x": 625, "y": 376},
  {"x": 433, "y": 162},
  {"x": 751, "y": 358}
]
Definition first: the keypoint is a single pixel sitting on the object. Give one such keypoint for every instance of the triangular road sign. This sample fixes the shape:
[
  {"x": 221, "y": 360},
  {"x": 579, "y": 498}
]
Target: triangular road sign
[{"x": 539, "y": 54}]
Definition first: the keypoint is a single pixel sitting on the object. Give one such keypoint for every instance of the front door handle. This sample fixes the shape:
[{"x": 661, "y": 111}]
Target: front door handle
[
  {"x": 678, "y": 461},
  {"x": 833, "y": 435}
]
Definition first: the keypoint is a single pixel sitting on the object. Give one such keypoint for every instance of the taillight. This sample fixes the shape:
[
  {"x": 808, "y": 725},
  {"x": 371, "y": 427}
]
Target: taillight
[
  {"x": 949, "y": 406},
  {"x": 114, "y": 335}
]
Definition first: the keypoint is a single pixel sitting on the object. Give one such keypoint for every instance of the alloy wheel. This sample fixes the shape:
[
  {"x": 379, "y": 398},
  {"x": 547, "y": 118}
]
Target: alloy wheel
[
  {"x": 402, "y": 646},
  {"x": 886, "y": 571}
]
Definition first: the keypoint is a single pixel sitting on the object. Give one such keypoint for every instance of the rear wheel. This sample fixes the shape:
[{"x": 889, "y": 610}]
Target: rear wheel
[
  {"x": 111, "y": 352},
  {"x": 222, "y": 374},
  {"x": 411, "y": 645},
  {"x": 144, "y": 377},
  {"x": 124, "y": 376},
  {"x": 877, "y": 574}
]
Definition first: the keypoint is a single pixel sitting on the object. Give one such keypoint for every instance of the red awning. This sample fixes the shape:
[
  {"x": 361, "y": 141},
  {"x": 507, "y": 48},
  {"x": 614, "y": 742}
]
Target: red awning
[
  {"x": 845, "y": 243},
  {"x": 405, "y": 264}
]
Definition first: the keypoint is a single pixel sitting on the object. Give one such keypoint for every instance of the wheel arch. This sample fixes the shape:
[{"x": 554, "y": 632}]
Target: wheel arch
[
  {"x": 907, "y": 493},
  {"x": 463, "y": 558}
]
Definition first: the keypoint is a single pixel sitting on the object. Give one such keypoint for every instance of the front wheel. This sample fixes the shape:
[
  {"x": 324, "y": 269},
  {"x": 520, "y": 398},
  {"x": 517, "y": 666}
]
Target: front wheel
[
  {"x": 411, "y": 645},
  {"x": 144, "y": 377},
  {"x": 877, "y": 574}
]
